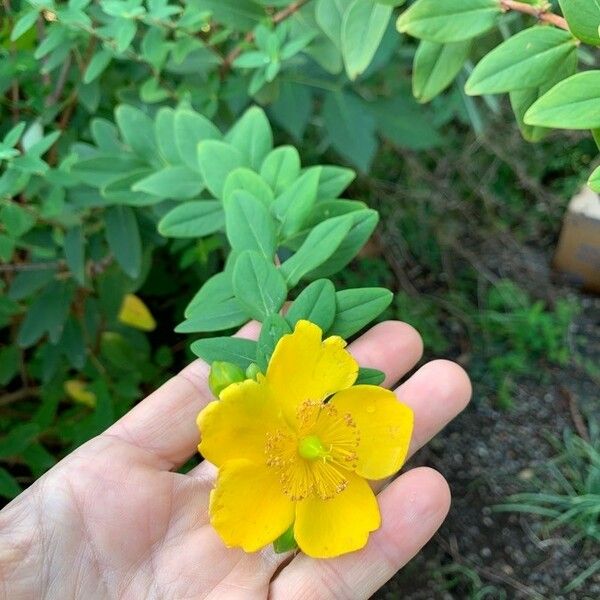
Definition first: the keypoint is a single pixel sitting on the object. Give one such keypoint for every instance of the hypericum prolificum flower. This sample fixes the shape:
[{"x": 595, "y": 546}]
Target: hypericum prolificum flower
[{"x": 296, "y": 446}]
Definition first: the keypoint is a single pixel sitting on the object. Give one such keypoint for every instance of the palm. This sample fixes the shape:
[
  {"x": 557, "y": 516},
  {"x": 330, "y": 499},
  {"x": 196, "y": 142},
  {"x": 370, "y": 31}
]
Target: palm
[{"x": 113, "y": 521}]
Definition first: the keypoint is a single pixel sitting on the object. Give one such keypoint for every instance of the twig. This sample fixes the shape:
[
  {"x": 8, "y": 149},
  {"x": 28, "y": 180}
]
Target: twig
[
  {"x": 54, "y": 97},
  {"x": 277, "y": 18},
  {"x": 542, "y": 14},
  {"x": 15, "y": 268},
  {"x": 21, "y": 394},
  {"x": 576, "y": 415}
]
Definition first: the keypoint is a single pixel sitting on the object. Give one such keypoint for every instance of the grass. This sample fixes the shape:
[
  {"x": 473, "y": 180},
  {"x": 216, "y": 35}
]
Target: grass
[{"x": 572, "y": 496}]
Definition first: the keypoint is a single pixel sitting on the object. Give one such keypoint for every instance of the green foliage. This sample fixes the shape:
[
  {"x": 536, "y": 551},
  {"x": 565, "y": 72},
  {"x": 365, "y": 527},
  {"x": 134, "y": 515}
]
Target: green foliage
[{"x": 536, "y": 66}]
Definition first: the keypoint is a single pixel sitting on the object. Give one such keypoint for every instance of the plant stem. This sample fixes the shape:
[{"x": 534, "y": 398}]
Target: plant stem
[
  {"x": 543, "y": 14},
  {"x": 277, "y": 18},
  {"x": 26, "y": 392}
]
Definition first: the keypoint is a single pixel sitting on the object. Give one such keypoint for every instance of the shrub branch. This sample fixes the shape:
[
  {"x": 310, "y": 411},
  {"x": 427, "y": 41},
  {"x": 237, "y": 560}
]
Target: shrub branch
[
  {"x": 277, "y": 18},
  {"x": 542, "y": 14}
]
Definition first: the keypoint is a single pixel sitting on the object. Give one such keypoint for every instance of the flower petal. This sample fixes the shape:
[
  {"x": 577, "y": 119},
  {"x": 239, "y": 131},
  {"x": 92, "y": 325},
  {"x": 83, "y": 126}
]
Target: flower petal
[
  {"x": 328, "y": 528},
  {"x": 248, "y": 507},
  {"x": 236, "y": 426},
  {"x": 385, "y": 427},
  {"x": 303, "y": 367}
]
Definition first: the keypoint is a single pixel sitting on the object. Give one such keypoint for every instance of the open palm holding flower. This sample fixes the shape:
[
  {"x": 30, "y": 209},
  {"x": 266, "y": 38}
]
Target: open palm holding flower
[{"x": 113, "y": 520}]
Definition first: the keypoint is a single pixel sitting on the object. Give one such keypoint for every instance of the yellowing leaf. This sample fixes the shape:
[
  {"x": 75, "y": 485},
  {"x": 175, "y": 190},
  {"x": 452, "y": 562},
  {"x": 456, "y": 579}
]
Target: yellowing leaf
[
  {"x": 78, "y": 392},
  {"x": 136, "y": 314}
]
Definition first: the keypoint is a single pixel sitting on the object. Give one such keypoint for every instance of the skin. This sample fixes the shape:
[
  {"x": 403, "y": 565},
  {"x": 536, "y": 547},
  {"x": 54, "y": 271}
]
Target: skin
[{"x": 112, "y": 520}]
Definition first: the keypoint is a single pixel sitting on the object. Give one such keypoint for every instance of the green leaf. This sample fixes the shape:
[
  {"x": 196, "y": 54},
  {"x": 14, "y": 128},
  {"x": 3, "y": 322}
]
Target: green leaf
[
  {"x": 273, "y": 329},
  {"x": 294, "y": 205},
  {"x": 293, "y": 108},
  {"x": 123, "y": 237},
  {"x": 26, "y": 283},
  {"x": 363, "y": 225},
  {"x": 594, "y": 181},
  {"x": 333, "y": 181},
  {"x": 249, "y": 225},
  {"x": 316, "y": 304},
  {"x": 522, "y": 100},
  {"x": 583, "y": 17},
  {"x": 216, "y": 160},
  {"x": 357, "y": 308},
  {"x": 446, "y": 21},
  {"x": 258, "y": 285},
  {"x": 190, "y": 129},
  {"x": 436, "y": 66},
  {"x": 16, "y": 219},
  {"x": 9, "y": 486},
  {"x": 47, "y": 314},
  {"x": 214, "y": 316},
  {"x": 236, "y": 14},
  {"x": 280, "y": 168},
  {"x": 171, "y": 182},
  {"x": 9, "y": 363},
  {"x": 14, "y": 134},
  {"x": 238, "y": 351},
  {"x": 194, "y": 219},
  {"x": 247, "y": 180},
  {"x": 252, "y": 136},
  {"x": 571, "y": 104},
  {"x": 329, "y": 15},
  {"x": 362, "y": 29},
  {"x": 137, "y": 130},
  {"x": 72, "y": 343},
  {"x": 164, "y": 129},
  {"x": 24, "y": 24},
  {"x": 75, "y": 252},
  {"x": 350, "y": 128},
  {"x": 98, "y": 64},
  {"x": 216, "y": 289},
  {"x": 526, "y": 60},
  {"x": 367, "y": 376},
  {"x": 319, "y": 245}
]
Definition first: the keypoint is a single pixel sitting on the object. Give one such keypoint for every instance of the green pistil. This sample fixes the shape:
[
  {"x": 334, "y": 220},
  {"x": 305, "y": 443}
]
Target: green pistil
[{"x": 311, "y": 448}]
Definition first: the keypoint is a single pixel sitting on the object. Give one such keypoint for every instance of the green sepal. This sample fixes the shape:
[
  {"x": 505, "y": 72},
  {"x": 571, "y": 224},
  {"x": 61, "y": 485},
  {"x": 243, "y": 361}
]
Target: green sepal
[
  {"x": 285, "y": 542},
  {"x": 223, "y": 374}
]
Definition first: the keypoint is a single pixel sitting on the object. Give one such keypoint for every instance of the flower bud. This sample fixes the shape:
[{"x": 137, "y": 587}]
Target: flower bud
[
  {"x": 223, "y": 374},
  {"x": 252, "y": 371}
]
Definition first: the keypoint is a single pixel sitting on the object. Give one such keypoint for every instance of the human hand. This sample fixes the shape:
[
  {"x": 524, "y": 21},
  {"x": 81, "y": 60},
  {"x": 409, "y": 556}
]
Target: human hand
[{"x": 112, "y": 520}]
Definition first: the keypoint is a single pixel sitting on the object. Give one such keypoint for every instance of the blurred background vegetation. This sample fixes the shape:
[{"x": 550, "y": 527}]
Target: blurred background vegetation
[{"x": 470, "y": 216}]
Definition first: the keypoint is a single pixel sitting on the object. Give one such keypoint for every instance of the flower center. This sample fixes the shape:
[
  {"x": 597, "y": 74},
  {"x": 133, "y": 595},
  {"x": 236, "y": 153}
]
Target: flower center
[
  {"x": 316, "y": 459},
  {"x": 311, "y": 448}
]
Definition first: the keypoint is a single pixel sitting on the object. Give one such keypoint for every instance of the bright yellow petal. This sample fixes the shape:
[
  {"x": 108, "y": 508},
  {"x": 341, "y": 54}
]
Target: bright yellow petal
[
  {"x": 328, "y": 528},
  {"x": 305, "y": 368},
  {"x": 247, "y": 507},
  {"x": 384, "y": 425},
  {"x": 236, "y": 426}
]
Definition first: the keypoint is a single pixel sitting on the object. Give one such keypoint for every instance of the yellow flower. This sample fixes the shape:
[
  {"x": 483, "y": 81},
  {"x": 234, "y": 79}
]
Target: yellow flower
[
  {"x": 136, "y": 314},
  {"x": 79, "y": 392},
  {"x": 297, "y": 445}
]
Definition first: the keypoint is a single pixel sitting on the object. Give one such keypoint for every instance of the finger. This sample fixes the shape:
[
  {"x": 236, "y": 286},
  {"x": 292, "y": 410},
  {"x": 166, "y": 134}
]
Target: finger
[
  {"x": 164, "y": 424},
  {"x": 392, "y": 347},
  {"x": 412, "y": 509},
  {"x": 437, "y": 393}
]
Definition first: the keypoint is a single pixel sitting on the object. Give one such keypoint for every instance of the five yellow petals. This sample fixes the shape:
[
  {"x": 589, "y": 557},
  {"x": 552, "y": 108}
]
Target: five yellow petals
[{"x": 297, "y": 445}]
